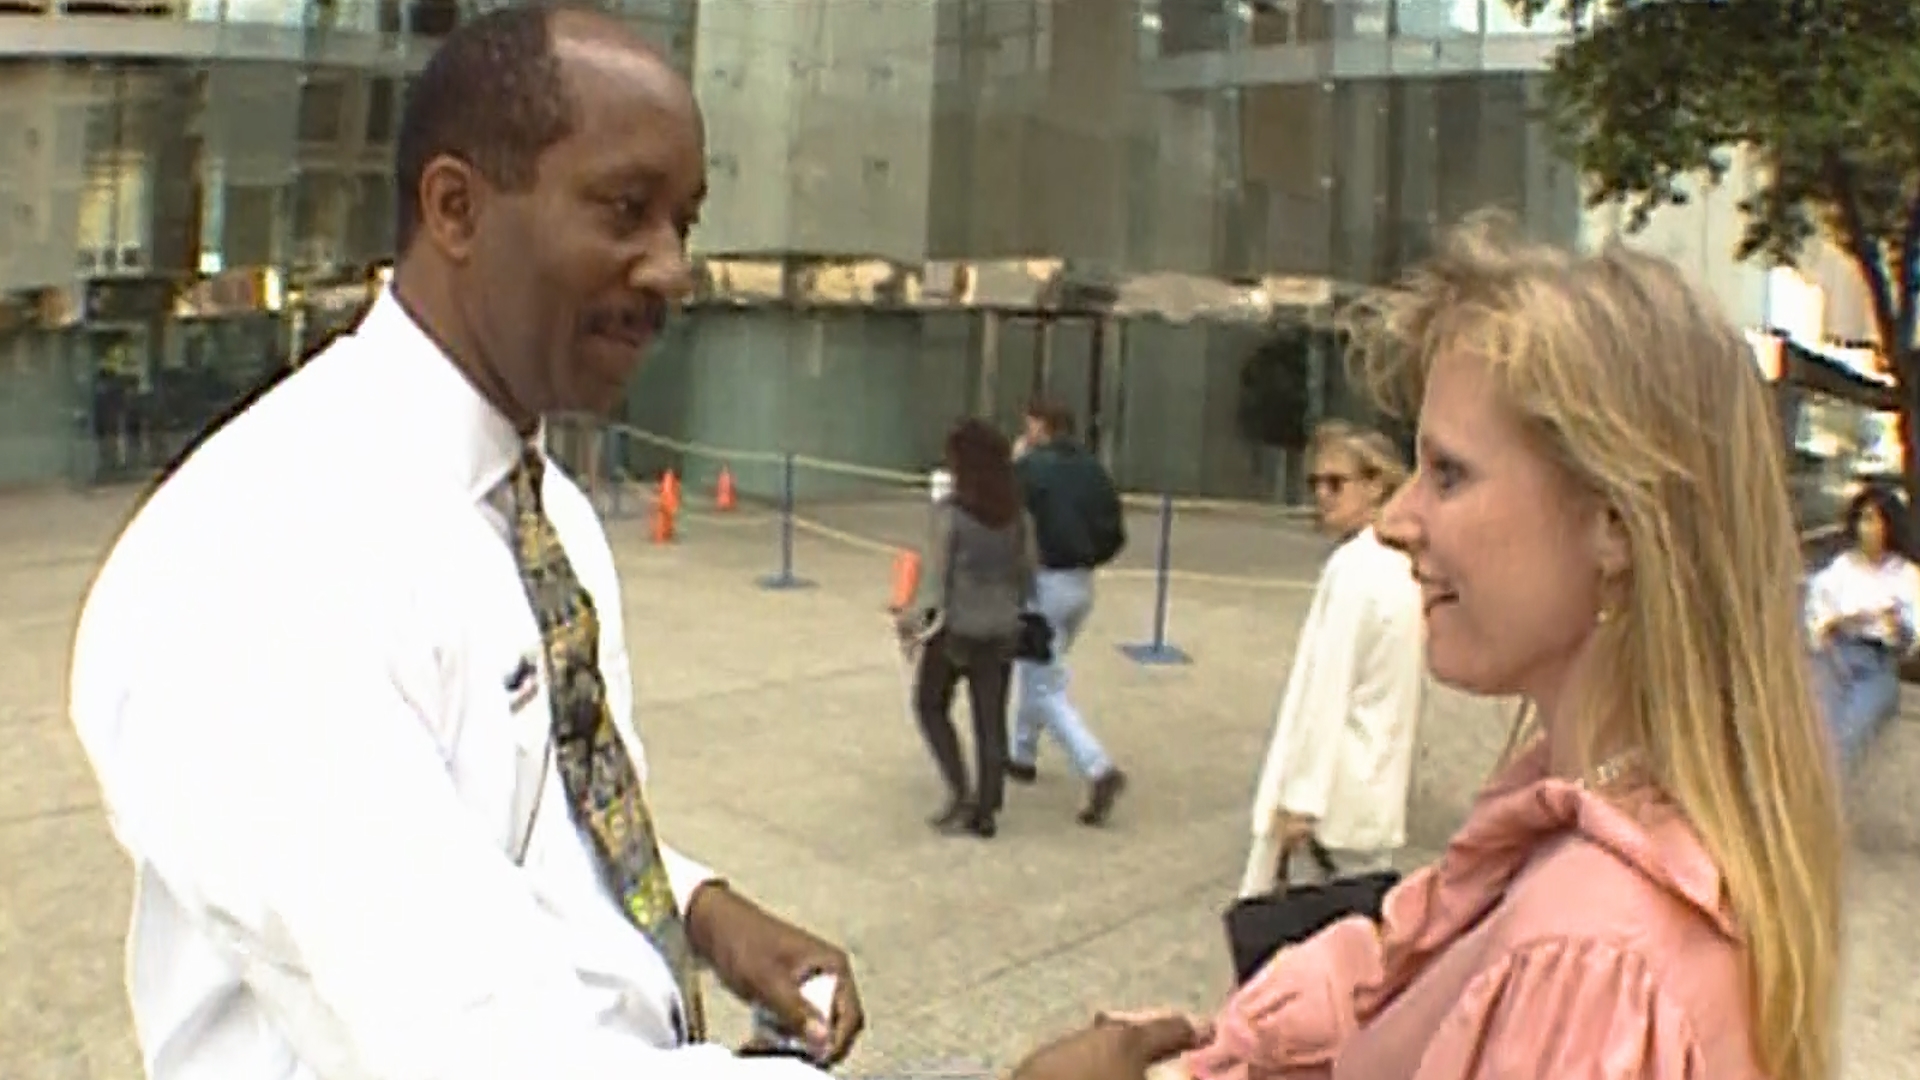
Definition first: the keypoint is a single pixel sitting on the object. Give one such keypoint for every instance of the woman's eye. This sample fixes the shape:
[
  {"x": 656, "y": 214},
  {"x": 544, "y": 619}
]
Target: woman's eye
[{"x": 1446, "y": 474}]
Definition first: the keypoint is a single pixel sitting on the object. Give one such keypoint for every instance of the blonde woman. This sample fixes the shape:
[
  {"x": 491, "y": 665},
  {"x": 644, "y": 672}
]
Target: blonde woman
[
  {"x": 1649, "y": 887},
  {"x": 1341, "y": 757}
]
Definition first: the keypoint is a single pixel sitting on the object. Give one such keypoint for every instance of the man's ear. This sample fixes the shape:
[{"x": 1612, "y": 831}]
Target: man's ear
[
  {"x": 1611, "y": 548},
  {"x": 451, "y": 193}
]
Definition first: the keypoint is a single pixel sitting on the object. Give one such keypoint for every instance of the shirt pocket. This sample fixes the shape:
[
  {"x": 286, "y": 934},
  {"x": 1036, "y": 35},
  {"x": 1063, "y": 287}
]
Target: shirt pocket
[{"x": 501, "y": 759}]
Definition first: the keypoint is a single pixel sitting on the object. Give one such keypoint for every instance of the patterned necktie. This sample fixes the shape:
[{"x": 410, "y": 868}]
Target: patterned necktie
[{"x": 604, "y": 792}]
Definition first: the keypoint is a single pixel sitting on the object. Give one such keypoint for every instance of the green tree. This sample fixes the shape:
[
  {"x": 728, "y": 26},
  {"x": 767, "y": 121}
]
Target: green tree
[
  {"x": 1651, "y": 95},
  {"x": 1273, "y": 388}
]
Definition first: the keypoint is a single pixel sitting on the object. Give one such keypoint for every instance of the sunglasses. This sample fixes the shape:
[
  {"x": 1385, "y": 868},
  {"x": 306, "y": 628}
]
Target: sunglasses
[{"x": 1331, "y": 483}]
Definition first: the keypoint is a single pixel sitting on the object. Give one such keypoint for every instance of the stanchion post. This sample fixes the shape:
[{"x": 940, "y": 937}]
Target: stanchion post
[
  {"x": 784, "y": 578},
  {"x": 1159, "y": 650},
  {"x": 610, "y": 470}
]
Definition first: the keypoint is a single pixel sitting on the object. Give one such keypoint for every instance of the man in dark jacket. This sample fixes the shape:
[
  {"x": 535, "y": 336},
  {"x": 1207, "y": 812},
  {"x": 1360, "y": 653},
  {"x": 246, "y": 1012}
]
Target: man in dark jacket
[{"x": 1078, "y": 526}]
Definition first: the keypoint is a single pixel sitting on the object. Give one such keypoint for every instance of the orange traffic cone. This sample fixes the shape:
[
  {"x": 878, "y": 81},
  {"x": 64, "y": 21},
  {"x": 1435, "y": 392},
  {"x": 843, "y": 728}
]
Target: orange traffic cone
[
  {"x": 662, "y": 522},
  {"x": 670, "y": 491},
  {"x": 723, "y": 494},
  {"x": 906, "y": 579}
]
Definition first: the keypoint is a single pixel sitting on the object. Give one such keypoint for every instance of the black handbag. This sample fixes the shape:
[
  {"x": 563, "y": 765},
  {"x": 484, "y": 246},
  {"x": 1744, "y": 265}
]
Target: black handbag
[
  {"x": 1259, "y": 926},
  {"x": 1034, "y": 641}
]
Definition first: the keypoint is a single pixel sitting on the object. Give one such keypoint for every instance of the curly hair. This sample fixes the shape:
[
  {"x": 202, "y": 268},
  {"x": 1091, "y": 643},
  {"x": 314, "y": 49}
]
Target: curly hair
[
  {"x": 981, "y": 460},
  {"x": 1893, "y": 515}
]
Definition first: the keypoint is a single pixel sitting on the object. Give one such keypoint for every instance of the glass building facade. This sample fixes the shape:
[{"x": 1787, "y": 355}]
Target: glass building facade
[{"x": 919, "y": 208}]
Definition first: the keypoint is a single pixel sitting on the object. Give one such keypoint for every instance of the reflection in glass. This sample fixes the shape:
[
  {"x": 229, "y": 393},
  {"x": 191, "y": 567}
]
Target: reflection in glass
[
  {"x": 251, "y": 225},
  {"x": 323, "y": 99},
  {"x": 1042, "y": 133},
  {"x": 431, "y": 18},
  {"x": 1482, "y": 145},
  {"x": 384, "y": 99},
  {"x": 1439, "y": 19},
  {"x": 287, "y": 13},
  {"x": 321, "y": 198},
  {"x": 370, "y": 230},
  {"x": 1286, "y": 150},
  {"x": 1500, "y": 19},
  {"x": 1179, "y": 27},
  {"x": 1412, "y": 211},
  {"x": 115, "y": 202}
]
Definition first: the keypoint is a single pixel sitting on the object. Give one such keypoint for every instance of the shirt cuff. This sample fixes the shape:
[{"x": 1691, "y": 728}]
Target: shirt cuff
[{"x": 685, "y": 876}]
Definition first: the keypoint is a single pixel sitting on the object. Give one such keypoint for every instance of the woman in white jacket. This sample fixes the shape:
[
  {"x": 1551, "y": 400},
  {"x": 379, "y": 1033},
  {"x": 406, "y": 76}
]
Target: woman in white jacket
[{"x": 1341, "y": 758}]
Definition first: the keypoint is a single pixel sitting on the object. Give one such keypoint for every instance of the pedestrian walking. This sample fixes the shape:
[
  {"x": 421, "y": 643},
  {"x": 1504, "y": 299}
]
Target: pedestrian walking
[{"x": 1079, "y": 526}]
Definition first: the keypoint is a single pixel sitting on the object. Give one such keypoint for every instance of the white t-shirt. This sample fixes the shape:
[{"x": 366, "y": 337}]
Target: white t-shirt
[{"x": 1851, "y": 586}]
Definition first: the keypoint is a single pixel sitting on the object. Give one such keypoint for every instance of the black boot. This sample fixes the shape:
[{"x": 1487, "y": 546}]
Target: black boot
[
  {"x": 980, "y": 823},
  {"x": 1101, "y": 795},
  {"x": 955, "y": 817}
]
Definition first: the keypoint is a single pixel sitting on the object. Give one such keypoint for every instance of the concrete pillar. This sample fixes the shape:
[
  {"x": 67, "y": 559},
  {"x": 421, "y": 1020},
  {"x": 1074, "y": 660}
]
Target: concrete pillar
[
  {"x": 248, "y": 127},
  {"x": 1359, "y": 147},
  {"x": 1081, "y": 169},
  {"x": 984, "y": 395},
  {"x": 819, "y": 125}
]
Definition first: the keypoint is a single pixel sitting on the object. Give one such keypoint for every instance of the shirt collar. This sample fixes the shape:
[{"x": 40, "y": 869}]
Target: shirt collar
[{"x": 456, "y": 424}]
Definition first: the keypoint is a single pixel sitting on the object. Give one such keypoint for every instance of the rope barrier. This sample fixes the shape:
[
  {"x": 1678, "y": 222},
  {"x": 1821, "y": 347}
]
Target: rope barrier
[
  {"x": 683, "y": 446},
  {"x": 865, "y": 472},
  {"x": 1156, "y": 650},
  {"x": 918, "y": 481},
  {"x": 841, "y": 536}
]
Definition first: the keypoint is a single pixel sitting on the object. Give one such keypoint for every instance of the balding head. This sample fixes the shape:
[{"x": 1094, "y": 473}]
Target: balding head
[
  {"x": 496, "y": 93},
  {"x": 551, "y": 165}
]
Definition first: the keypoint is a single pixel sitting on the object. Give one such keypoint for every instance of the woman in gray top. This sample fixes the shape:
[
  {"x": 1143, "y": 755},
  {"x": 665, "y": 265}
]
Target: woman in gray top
[{"x": 977, "y": 579}]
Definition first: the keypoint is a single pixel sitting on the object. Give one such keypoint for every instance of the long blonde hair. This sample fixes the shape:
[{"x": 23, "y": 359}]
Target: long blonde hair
[{"x": 1642, "y": 391}]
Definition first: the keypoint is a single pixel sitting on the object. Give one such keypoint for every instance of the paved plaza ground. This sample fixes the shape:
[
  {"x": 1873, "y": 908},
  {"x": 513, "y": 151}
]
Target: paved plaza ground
[{"x": 781, "y": 755}]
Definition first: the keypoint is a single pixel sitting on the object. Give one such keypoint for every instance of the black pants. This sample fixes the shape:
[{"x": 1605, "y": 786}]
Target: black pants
[{"x": 987, "y": 667}]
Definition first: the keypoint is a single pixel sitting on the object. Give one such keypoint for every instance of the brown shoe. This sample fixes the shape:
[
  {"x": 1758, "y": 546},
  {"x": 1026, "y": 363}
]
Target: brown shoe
[{"x": 1101, "y": 795}]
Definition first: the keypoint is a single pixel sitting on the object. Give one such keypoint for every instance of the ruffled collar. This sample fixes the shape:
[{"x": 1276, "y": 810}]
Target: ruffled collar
[{"x": 1518, "y": 813}]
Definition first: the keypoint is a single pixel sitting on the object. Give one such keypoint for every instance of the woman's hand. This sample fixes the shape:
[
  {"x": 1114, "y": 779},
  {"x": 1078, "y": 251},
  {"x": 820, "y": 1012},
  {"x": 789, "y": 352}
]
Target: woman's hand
[
  {"x": 1119, "y": 1046},
  {"x": 1295, "y": 830}
]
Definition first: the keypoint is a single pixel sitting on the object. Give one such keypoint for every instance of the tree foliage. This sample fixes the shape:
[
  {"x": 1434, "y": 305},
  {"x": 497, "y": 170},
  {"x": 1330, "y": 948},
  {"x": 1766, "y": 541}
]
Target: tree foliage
[
  {"x": 1650, "y": 95},
  {"x": 1273, "y": 388}
]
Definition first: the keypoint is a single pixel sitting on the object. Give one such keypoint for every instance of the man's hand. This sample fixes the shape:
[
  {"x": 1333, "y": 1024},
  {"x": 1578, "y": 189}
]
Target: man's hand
[
  {"x": 1116, "y": 1047},
  {"x": 763, "y": 960}
]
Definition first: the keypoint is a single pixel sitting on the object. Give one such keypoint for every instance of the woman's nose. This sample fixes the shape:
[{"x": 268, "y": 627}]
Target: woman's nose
[{"x": 1396, "y": 525}]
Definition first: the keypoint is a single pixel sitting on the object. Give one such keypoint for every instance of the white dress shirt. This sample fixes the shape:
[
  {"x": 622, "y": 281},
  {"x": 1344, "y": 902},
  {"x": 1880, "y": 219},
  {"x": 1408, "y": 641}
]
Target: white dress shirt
[
  {"x": 1851, "y": 587},
  {"x": 1343, "y": 740},
  {"x": 295, "y": 680}
]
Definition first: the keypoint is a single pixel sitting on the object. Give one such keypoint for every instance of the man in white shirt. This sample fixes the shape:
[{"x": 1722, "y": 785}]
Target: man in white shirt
[{"x": 312, "y": 685}]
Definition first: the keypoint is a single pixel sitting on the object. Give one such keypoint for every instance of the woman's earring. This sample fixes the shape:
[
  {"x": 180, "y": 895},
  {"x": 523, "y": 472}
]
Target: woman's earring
[
  {"x": 1610, "y": 589},
  {"x": 1613, "y": 602}
]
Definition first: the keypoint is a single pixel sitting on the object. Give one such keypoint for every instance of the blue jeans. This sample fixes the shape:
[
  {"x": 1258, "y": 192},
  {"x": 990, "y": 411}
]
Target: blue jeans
[
  {"x": 1064, "y": 598},
  {"x": 1859, "y": 685}
]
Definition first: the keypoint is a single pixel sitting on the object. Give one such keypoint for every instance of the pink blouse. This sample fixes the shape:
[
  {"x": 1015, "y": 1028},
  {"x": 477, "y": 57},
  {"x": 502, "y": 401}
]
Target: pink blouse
[{"x": 1563, "y": 936}]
